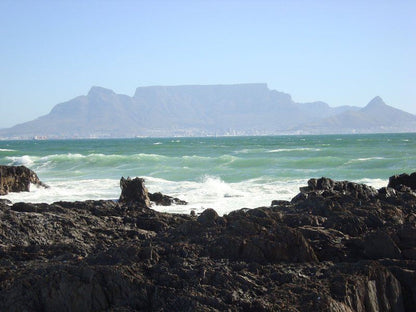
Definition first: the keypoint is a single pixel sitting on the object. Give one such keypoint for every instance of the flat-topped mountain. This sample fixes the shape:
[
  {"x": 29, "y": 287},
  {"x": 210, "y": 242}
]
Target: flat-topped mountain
[{"x": 198, "y": 110}]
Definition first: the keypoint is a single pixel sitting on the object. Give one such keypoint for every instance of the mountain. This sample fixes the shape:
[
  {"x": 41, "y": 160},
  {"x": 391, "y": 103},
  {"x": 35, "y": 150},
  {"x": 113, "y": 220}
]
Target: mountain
[
  {"x": 198, "y": 110},
  {"x": 377, "y": 116}
]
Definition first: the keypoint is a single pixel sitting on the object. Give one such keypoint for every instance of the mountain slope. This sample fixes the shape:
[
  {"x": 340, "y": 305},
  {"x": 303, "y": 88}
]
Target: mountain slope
[
  {"x": 376, "y": 116},
  {"x": 193, "y": 110}
]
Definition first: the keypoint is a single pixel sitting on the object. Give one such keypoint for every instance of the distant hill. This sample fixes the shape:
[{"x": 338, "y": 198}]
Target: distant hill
[
  {"x": 376, "y": 117},
  {"x": 195, "y": 110}
]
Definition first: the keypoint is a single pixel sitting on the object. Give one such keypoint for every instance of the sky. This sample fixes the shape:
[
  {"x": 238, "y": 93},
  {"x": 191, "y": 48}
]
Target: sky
[{"x": 339, "y": 52}]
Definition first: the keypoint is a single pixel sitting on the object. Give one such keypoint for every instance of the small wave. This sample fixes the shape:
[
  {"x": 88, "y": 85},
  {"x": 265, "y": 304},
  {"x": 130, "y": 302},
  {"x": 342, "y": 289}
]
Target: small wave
[
  {"x": 98, "y": 156},
  {"x": 243, "y": 151},
  {"x": 63, "y": 156},
  {"x": 7, "y": 150},
  {"x": 157, "y": 143},
  {"x": 249, "y": 150},
  {"x": 364, "y": 159},
  {"x": 279, "y": 150},
  {"x": 222, "y": 158},
  {"x": 24, "y": 160},
  {"x": 369, "y": 158}
]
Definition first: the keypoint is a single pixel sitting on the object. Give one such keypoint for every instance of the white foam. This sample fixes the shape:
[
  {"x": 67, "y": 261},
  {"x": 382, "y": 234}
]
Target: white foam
[
  {"x": 212, "y": 192},
  {"x": 279, "y": 150},
  {"x": 376, "y": 183},
  {"x": 69, "y": 191},
  {"x": 25, "y": 160},
  {"x": 7, "y": 150},
  {"x": 363, "y": 159},
  {"x": 208, "y": 192}
]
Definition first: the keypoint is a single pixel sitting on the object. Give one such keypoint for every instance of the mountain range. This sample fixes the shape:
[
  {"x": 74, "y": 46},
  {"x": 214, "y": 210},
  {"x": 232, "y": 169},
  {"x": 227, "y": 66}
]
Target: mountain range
[{"x": 200, "y": 110}]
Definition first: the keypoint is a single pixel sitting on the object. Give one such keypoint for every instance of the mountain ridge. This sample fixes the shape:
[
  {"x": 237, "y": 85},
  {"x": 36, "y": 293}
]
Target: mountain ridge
[{"x": 200, "y": 110}]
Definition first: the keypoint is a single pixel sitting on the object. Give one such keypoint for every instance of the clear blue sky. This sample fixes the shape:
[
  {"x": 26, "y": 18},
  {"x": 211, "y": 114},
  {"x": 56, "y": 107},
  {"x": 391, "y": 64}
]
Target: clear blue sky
[{"x": 340, "y": 52}]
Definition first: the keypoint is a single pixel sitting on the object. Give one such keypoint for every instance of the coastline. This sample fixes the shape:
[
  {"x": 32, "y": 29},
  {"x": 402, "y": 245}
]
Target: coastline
[
  {"x": 336, "y": 246},
  {"x": 221, "y": 173}
]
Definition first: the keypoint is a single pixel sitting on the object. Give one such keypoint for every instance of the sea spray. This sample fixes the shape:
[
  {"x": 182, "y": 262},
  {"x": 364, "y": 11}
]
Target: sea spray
[{"x": 221, "y": 173}]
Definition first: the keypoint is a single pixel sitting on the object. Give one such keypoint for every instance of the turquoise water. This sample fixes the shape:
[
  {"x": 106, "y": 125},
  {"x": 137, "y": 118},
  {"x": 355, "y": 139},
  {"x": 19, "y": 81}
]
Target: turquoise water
[{"x": 224, "y": 173}]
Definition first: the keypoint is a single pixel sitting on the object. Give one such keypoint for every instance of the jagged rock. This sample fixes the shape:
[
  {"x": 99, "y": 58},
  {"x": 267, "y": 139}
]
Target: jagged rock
[
  {"x": 165, "y": 200},
  {"x": 328, "y": 187},
  {"x": 17, "y": 179},
  {"x": 338, "y": 248},
  {"x": 134, "y": 191},
  {"x": 403, "y": 179}
]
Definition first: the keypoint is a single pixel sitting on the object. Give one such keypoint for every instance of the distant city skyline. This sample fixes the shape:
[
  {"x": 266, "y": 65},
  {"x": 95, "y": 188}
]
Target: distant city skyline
[{"x": 342, "y": 53}]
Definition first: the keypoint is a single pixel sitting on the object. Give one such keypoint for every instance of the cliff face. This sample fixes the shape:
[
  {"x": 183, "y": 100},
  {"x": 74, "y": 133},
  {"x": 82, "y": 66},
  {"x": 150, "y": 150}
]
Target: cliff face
[
  {"x": 337, "y": 246},
  {"x": 245, "y": 109}
]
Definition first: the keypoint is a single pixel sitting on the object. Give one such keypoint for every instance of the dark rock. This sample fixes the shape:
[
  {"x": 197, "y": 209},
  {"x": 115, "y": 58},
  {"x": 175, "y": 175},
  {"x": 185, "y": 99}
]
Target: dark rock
[
  {"x": 208, "y": 217},
  {"x": 337, "y": 247},
  {"x": 134, "y": 191},
  {"x": 403, "y": 179},
  {"x": 327, "y": 187},
  {"x": 165, "y": 200},
  {"x": 17, "y": 179},
  {"x": 279, "y": 202},
  {"x": 387, "y": 192},
  {"x": 380, "y": 245},
  {"x": 5, "y": 201}
]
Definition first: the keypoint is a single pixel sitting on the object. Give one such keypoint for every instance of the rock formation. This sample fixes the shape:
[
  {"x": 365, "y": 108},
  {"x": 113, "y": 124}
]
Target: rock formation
[
  {"x": 165, "y": 200},
  {"x": 337, "y": 246},
  {"x": 134, "y": 191},
  {"x": 17, "y": 179}
]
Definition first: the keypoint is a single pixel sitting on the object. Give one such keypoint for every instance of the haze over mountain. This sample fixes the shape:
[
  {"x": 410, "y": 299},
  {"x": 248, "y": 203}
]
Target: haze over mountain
[{"x": 199, "y": 110}]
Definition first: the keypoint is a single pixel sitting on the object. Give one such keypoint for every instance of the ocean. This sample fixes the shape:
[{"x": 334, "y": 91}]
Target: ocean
[{"x": 224, "y": 173}]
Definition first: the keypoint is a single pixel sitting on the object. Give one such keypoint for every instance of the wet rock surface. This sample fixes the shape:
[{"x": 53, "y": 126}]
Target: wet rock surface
[
  {"x": 17, "y": 179},
  {"x": 337, "y": 246},
  {"x": 165, "y": 200}
]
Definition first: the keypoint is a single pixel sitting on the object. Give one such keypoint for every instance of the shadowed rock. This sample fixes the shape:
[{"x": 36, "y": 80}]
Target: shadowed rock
[
  {"x": 134, "y": 191},
  {"x": 338, "y": 247},
  {"x": 403, "y": 179},
  {"x": 17, "y": 179},
  {"x": 165, "y": 200}
]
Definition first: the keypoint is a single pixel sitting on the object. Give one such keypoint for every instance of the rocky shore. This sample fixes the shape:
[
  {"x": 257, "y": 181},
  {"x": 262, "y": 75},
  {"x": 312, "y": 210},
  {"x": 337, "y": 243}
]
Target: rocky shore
[
  {"x": 337, "y": 246},
  {"x": 17, "y": 179}
]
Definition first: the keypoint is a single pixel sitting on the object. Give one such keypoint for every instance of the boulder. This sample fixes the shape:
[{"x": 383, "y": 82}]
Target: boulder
[
  {"x": 165, "y": 200},
  {"x": 134, "y": 191},
  {"x": 17, "y": 179},
  {"x": 327, "y": 187},
  {"x": 208, "y": 217},
  {"x": 405, "y": 179}
]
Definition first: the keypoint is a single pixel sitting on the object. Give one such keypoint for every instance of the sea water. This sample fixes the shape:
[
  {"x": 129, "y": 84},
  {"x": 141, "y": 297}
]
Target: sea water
[{"x": 224, "y": 173}]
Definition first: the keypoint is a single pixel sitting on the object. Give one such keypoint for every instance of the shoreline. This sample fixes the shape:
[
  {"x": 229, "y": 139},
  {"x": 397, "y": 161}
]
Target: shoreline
[
  {"x": 225, "y": 197},
  {"x": 336, "y": 246}
]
